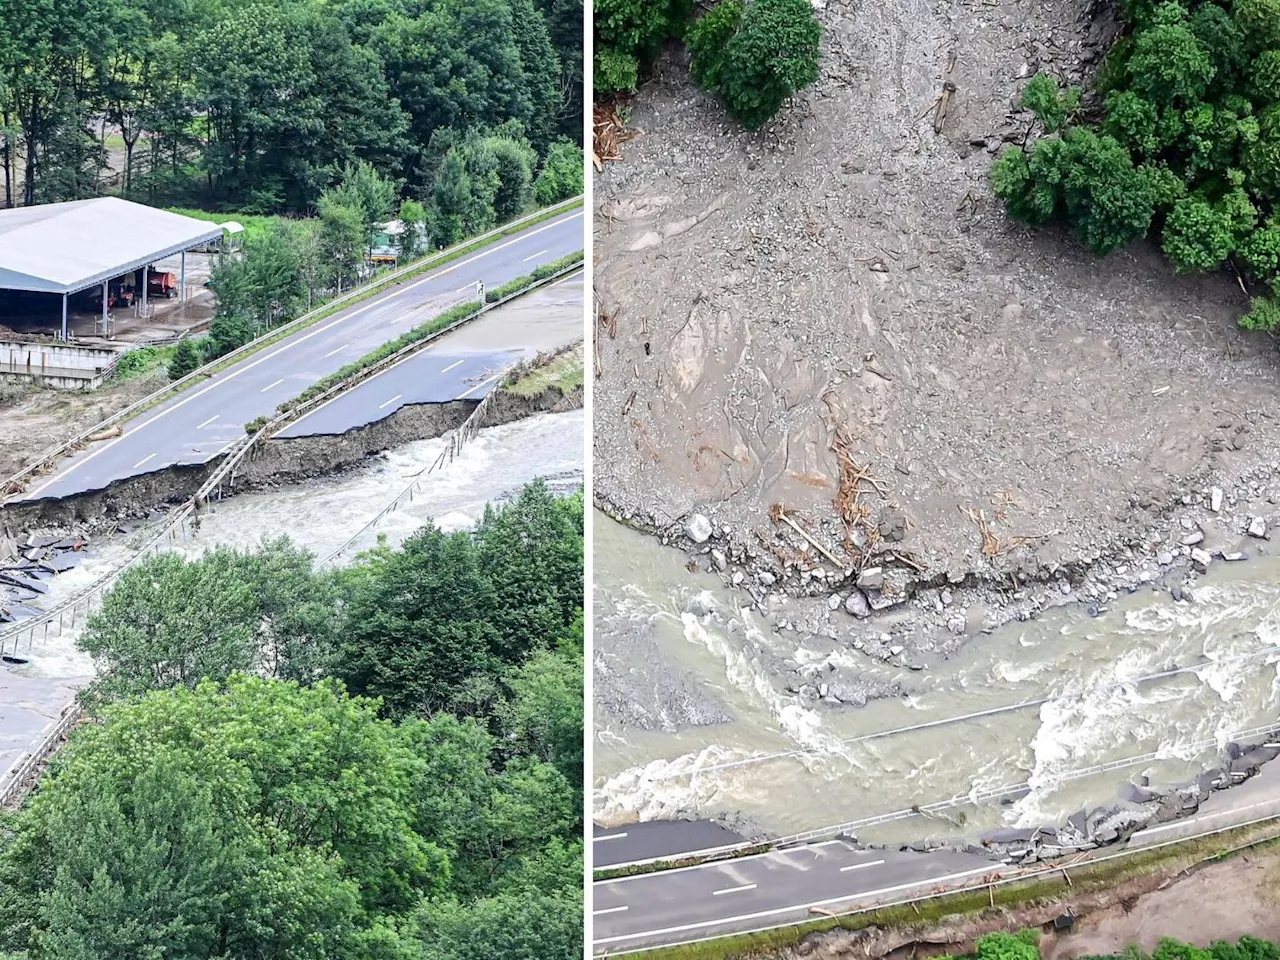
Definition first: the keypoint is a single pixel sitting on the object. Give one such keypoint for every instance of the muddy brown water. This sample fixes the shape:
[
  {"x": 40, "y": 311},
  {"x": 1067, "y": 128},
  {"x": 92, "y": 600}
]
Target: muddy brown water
[{"x": 788, "y": 766}]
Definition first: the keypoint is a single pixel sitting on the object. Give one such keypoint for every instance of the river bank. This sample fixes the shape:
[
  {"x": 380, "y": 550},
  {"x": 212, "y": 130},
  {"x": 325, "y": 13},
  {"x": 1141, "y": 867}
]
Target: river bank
[{"x": 826, "y": 360}]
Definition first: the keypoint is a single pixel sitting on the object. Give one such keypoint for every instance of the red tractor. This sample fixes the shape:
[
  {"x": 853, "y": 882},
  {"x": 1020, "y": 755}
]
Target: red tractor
[{"x": 162, "y": 285}]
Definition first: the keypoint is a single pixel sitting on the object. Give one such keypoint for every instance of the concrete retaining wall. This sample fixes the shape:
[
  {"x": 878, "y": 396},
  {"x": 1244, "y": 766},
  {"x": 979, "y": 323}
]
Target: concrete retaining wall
[{"x": 63, "y": 365}]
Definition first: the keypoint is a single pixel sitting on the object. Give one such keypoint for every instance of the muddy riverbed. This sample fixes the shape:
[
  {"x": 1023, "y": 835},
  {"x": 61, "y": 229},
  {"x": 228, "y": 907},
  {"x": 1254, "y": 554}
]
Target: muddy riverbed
[{"x": 705, "y": 708}]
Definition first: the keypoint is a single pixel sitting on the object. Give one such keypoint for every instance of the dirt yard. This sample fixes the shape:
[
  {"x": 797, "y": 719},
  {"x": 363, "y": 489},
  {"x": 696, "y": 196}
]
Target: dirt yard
[
  {"x": 33, "y": 419},
  {"x": 846, "y": 272}
]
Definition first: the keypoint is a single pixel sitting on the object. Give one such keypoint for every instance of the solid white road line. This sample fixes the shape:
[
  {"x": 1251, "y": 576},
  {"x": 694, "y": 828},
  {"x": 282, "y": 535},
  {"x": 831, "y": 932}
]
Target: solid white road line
[
  {"x": 534, "y": 257},
  {"x": 383, "y": 406},
  {"x": 847, "y": 898},
  {"x": 270, "y": 385},
  {"x": 209, "y": 421},
  {"x": 339, "y": 350},
  {"x": 859, "y": 866},
  {"x": 469, "y": 286},
  {"x": 293, "y": 341},
  {"x": 612, "y": 836},
  {"x": 745, "y": 886},
  {"x": 1207, "y": 816},
  {"x": 601, "y": 913},
  {"x": 478, "y": 386},
  {"x": 151, "y": 456},
  {"x": 446, "y": 370}
]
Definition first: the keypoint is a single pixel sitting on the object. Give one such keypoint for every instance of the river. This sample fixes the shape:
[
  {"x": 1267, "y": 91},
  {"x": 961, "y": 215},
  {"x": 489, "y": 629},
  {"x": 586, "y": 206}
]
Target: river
[
  {"x": 323, "y": 514},
  {"x": 692, "y": 718}
]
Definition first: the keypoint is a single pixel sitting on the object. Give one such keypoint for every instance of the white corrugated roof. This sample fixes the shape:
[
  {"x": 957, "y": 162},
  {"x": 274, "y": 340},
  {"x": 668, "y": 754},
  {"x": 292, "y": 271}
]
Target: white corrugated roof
[{"x": 65, "y": 247}]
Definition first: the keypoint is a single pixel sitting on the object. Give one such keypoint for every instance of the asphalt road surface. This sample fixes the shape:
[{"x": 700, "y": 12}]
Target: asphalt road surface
[
  {"x": 658, "y": 840},
  {"x": 464, "y": 364},
  {"x": 201, "y": 422},
  {"x": 770, "y": 889}
]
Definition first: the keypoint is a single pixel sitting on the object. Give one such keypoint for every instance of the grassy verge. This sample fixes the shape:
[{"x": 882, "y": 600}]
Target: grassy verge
[
  {"x": 529, "y": 279},
  {"x": 564, "y": 373},
  {"x": 431, "y": 262},
  {"x": 1084, "y": 879},
  {"x": 252, "y": 222}
]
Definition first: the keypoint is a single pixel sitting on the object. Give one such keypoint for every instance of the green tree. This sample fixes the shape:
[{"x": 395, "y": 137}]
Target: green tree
[
  {"x": 770, "y": 53},
  {"x": 514, "y": 165},
  {"x": 544, "y": 717},
  {"x": 265, "y": 283},
  {"x": 186, "y": 358},
  {"x": 342, "y": 240},
  {"x": 1052, "y": 108},
  {"x": 417, "y": 631},
  {"x": 1168, "y": 66},
  {"x": 508, "y": 927},
  {"x": 413, "y": 235},
  {"x": 561, "y": 176},
  {"x": 531, "y": 550},
  {"x": 255, "y": 819},
  {"x": 174, "y": 622},
  {"x": 366, "y": 192}
]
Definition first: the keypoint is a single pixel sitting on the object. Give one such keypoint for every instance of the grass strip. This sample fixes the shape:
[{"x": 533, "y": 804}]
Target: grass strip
[
  {"x": 1085, "y": 878},
  {"x": 565, "y": 373}
]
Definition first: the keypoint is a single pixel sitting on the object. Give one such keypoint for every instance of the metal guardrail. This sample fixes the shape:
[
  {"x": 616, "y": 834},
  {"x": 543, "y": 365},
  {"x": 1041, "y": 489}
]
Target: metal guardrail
[
  {"x": 995, "y": 879},
  {"x": 21, "y": 776},
  {"x": 833, "y": 831},
  {"x": 457, "y": 439},
  {"x": 13, "y": 484}
]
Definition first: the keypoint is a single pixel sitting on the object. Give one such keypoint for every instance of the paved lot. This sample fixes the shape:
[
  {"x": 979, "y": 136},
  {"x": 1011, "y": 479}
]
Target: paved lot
[{"x": 200, "y": 423}]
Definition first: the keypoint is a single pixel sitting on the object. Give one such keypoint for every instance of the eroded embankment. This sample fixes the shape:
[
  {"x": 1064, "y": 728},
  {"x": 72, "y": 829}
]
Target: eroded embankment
[{"x": 277, "y": 461}]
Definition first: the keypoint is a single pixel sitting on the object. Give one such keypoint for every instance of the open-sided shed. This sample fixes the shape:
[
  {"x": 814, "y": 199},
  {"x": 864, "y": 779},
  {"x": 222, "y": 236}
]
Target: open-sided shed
[{"x": 64, "y": 248}]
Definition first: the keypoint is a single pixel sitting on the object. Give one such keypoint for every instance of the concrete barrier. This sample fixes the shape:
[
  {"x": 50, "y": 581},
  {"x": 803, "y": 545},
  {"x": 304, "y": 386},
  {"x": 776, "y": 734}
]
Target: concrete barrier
[{"x": 64, "y": 365}]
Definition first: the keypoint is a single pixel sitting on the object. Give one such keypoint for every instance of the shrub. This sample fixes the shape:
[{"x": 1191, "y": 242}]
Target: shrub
[
  {"x": 615, "y": 71},
  {"x": 561, "y": 176},
  {"x": 756, "y": 56},
  {"x": 186, "y": 358}
]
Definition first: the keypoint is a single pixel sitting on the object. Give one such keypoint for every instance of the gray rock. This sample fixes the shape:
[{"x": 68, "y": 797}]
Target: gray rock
[
  {"x": 698, "y": 527},
  {"x": 893, "y": 525},
  {"x": 1191, "y": 539},
  {"x": 738, "y": 577},
  {"x": 766, "y": 578},
  {"x": 1164, "y": 558},
  {"x": 833, "y": 602},
  {"x": 1215, "y": 499},
  {"x": 856, "y": 604},
  {"x": 1201, "y": 559},
  {"x": 1257, "y": 527},
  {"x": 896, "y": 649},
  {"x": 1064, "y": 587},
  {"x": 946, "y": 598},
  {"x": 719, "y": 559},
  {"x": 1235, "y": 556},
  {"x": 956, "y": 625},
  {"x": 871, "y": 578}
]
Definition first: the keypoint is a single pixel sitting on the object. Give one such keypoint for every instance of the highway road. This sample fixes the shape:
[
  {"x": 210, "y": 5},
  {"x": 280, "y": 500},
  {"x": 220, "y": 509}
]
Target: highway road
[
  {"x": 765, "y": 890},
  {"x": 201, "y": 422},
  {"x": 464, "y": 364},
  {"x": 658, "y": 840}
]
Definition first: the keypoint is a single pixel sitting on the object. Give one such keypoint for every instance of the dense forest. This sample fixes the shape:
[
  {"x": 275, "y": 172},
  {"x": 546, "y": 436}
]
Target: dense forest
[
  {"x": 382, "y": 761},
  {"x": 259, "y": 106},
  {"x": 1179, "y": 142}
]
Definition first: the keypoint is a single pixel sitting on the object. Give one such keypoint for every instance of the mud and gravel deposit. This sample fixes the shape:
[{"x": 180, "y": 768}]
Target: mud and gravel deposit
[{"x": 847, "y": 269}]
